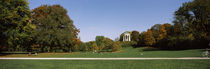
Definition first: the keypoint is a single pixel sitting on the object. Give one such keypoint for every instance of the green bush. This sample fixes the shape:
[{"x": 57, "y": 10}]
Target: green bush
[
  {"x": 115, "y": 46},
  {"x": 128, "y": 43}
]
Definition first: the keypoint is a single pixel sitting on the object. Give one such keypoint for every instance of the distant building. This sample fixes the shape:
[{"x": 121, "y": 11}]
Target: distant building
[{"x": 127, "y": 36}]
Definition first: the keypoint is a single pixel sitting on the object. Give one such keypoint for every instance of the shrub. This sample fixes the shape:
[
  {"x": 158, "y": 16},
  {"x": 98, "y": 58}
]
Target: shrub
[
  {"x": 128, "y": 43},
  {"x": 107, "y": 44},
  {"x": 115, "y": 47}
]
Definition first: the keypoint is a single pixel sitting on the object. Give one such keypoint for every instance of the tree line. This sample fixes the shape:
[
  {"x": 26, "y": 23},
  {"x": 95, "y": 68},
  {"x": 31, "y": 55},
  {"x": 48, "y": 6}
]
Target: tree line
[
  {"x": 190, "y": 29},
  {"x": 46, "y": 28}
]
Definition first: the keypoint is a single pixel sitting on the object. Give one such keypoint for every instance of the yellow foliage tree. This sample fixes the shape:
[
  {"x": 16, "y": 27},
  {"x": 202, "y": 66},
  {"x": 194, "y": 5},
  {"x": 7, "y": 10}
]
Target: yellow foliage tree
[
  {"x": 148, "y": 38},
  {"x": 163, "y": 33}
]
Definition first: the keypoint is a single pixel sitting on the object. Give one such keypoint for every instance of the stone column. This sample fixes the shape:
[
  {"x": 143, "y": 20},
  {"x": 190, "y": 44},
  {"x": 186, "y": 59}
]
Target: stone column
[
  {"x": 123, "y": 37},
  {"x": 126, "y": 37},
  {"x": 129, "y": 38}
]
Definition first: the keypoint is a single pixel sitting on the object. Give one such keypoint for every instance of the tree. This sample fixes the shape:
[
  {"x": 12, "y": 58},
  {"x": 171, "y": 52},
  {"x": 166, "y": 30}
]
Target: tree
[
  {"x": 148, "y": 38},
  {"x": 192, "y": 21},
  {"x": 121, "y": 37},
  {"x": 201, "y": 13},
  {"x": 55, "y": 27},
  {"x": 99, "y": 42},
  {"x": 163, "y": 33},
  {"x": 76, "y": 43},
  {"x": 15, "y": 25},
  {"x": 115, "y": 47},
  {"x": 135, "y": 36},
  {"x": 195, "y": 16},
  {"x": 190, "y": 27},
  {"x": 84, "y": 47},
  {"x": 156, "y": 31},
  {"x": 168, "y": 28},
  {"x": 95, "y": 47},
  {"x": 141, "y": 40},
  {"x": 107, "y": 43},
  {"x": 160, "y": 31}
]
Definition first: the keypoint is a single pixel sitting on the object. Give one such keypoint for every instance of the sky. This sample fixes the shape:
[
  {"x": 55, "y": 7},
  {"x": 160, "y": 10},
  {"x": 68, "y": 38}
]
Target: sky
[{"x": 110, "y": 18}]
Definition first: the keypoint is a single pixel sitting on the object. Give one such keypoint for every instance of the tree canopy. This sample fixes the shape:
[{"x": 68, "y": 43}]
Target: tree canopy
[
  {"x": 15, "y": 24},
  {"x": 55, "y": 28}
]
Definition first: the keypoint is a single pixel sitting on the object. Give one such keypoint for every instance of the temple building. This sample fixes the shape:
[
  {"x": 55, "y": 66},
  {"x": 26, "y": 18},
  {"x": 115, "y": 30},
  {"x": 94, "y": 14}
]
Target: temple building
[{"x": 127, "y": 36}]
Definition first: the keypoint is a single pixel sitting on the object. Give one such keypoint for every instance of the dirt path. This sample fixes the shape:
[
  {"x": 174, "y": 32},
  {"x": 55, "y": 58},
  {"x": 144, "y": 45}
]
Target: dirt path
[{"x": 184, "y": 58}]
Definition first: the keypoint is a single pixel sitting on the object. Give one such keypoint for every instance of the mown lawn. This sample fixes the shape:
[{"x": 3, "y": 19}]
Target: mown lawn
[
  {"x": 99, "y": 64},
  {"x": 125, "y": 52}
]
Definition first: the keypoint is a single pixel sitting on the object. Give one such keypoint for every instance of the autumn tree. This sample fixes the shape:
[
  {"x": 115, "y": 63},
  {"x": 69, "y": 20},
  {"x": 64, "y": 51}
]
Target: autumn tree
[
  {"x": 76, "y": 43},
  {"x": 162, "y": 33},
  {"x": 148, "y": 38},
  {"x": 168, "y": 28}
]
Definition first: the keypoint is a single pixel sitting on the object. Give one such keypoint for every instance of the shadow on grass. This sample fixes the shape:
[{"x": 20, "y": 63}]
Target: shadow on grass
[
  {"x": 9, "y": 53},
  {"x": 3, "y": 54}
]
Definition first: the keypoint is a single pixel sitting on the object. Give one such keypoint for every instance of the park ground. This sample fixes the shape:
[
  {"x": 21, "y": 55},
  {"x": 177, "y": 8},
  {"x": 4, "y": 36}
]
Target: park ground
[
  {"x": 124, "y": 52},
  {"x": 110, "y": 64}
]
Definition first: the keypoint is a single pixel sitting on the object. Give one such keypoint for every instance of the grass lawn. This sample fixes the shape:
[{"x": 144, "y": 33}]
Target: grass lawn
[
  {"x": 125, "y": 52},
  {"x": 110, "y": 64},
  {"x": 99, "y": 64}
]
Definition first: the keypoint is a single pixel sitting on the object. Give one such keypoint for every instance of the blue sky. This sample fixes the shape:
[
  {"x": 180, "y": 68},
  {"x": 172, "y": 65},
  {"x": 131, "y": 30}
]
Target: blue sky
[{"x": 110, "y": 18}]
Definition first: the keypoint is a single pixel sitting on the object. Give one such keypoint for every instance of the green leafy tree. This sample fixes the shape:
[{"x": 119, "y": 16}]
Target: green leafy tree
[
  {"x": 85, "y": 47},
  {"x": 115, "y": 47},
  {"x": 55, "y": 27},
  {"x": 156, "y": 31},
  {"x": 15, "y": 25},
  {"x": 201, "y": 11},
  {"x": 99, "y": 42},
  {"x": 121, "y": 37},
  {"x": 135, "y": 36},
  {"x": 194, "y": 16},
  {"x": 107, "y": 43}
]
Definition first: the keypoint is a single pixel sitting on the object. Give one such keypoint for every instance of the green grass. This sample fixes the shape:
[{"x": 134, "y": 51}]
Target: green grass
[
  {"x": 99, "y": 64},
  {"x": 110, "y": 64},
  {"x": 125, "y": 52},
  {"x": 136, "y": 52}
]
